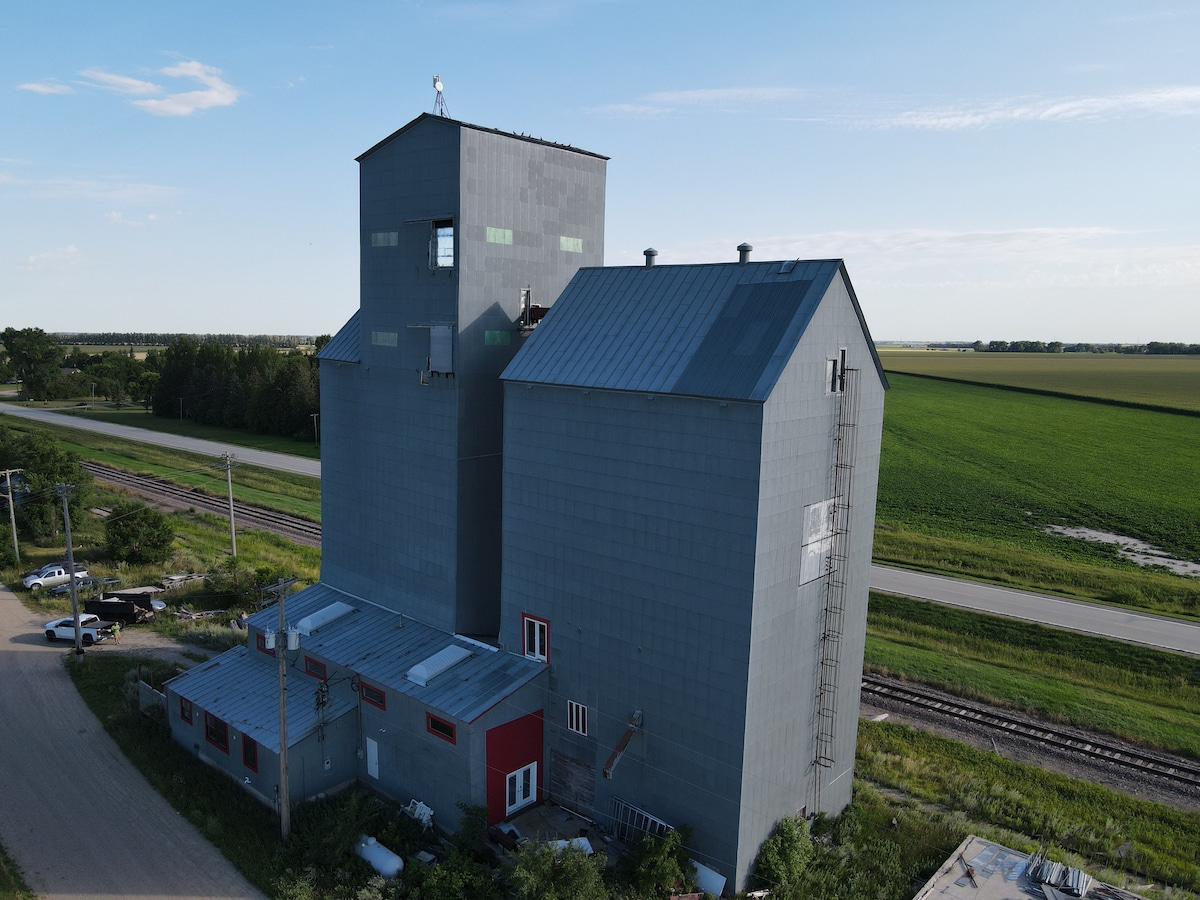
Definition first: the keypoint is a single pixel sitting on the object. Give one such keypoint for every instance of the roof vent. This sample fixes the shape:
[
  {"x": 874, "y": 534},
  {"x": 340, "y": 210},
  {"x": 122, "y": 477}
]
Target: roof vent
[
  {"x": 424, "y": 672},
  {"x": 744, "y": 253},
  {"x": 650, "y": 253},
  {"x": 323, "y": 617}
]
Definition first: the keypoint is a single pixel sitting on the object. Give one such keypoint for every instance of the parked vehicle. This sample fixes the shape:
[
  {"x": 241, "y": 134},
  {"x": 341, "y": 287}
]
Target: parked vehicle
[
  {"x": 87, "y": 585},
  {"x": 50, "y": 575},
  {"x": 93, "y": 629},
  {"x": 117, "y": 610}
]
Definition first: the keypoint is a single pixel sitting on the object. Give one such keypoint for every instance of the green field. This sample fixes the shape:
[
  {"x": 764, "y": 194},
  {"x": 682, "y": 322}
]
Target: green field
[
  {"x": 971, "y": 475},
  {"x": 1168, "y": 382}
]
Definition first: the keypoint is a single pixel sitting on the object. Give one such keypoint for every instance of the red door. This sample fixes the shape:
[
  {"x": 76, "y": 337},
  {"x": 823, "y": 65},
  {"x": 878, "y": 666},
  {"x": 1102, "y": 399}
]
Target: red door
[{"x": 514, "y": 766}]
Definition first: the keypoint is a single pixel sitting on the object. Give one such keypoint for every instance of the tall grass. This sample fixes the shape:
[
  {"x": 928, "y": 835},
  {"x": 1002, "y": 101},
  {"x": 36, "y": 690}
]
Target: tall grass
[
  {"x": 1108, "y": 829},
  {"x": 1145, "y": 696}
]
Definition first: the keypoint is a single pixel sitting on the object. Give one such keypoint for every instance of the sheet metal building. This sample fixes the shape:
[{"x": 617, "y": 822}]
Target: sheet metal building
[{"x": 616, "y": 557}]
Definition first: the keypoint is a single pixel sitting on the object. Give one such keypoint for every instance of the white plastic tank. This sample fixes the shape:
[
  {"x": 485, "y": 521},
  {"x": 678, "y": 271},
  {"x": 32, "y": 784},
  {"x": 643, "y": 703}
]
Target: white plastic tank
[{"x": 380, "y": 858}]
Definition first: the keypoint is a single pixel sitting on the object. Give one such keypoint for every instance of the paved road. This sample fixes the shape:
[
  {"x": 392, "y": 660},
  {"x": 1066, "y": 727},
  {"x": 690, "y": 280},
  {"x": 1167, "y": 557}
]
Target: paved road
[
  {"x": 280, "y": 461},
  {"x": 75, "y": 815},
  {"x": 1085, "y": 617},
  {"x": 1075, "y": 615}
]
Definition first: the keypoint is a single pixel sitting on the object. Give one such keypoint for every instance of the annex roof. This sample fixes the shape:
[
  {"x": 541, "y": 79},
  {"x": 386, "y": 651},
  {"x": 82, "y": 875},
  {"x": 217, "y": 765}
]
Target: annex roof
[
  {"x": 381, "y": 646},
  {"x": 456, "y": 123},
  {"x": 721, "y": 330},
  {"x": 344, "y": 346},
  {"x": 244, "y": 693}
]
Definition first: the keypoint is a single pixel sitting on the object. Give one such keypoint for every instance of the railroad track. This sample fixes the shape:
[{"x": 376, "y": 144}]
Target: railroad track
[
  {"x": 1181, "y": 771},
  {"x": 302, "y": 531}
]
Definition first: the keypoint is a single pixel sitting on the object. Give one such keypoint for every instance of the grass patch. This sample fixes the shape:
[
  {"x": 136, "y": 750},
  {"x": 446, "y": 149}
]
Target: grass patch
[
  {"x": 1108, "y": 830},
  {"x": 970, "y": 476},
  {"x": 1167, "y": 382},
  {"x": 298, "y": 495},
  {"x": 12, "y": 885},
  {"x": 137, "y": 417},
  {"x": 1146, "y": 696}
]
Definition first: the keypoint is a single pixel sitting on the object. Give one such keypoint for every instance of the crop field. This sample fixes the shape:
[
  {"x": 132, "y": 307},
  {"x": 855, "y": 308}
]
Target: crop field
[
  {"x": 970, "y": 477},
  {"x": 1168, "y": 382}
]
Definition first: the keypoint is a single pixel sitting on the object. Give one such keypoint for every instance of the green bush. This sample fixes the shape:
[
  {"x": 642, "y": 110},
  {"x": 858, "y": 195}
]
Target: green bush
[
  {"x": 544, "y": 873},
  {"x": 784, "y": 856},
  {"x": 136, "y": 533}
]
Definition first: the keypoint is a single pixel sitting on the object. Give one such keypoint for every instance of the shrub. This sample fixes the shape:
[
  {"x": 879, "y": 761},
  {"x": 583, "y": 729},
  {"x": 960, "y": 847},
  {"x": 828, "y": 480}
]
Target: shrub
[
  {"x": 784, "y": 856},
  {"x": 545, "y": 873},
  {"x": 136, "y": 533}
]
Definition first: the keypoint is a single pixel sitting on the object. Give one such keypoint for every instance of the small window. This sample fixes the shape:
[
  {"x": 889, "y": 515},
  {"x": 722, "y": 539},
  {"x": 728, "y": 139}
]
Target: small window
[
  {"x": 384, "y": 238},
  {"x": 185, "y": 710},
  {"x": 577, "y": 717},
  {"x": 499, "y": 235},
  {"x": 250, "y": 753},
  {"x": 260, "y": 641},
  {"x": 314, "y": 668},
  {"x": 443, "y": 729},
  {"x": 216, "y": 732},
  {"x": 373, "y": 695},
  {"x": 570, "y": 244},
  {"x": 537, "y": 638},
  {"x": 384, "y": 338},
  {"x": 441, "y": 246}
]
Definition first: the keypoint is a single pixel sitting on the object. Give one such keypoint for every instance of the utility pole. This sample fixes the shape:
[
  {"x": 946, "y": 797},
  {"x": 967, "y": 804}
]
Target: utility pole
[
  {"x": 229, "y": 458},
  {"x": 63, "y": 490},
  {"x": 285, "y": 812},
  {"x": 93, "y": 406},
  {"x": 12, "y": 514},
  {"x": 316, "y": 434}
]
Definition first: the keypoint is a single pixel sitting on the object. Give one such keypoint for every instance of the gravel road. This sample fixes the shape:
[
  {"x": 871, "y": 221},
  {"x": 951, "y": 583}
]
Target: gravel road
[{"x": 75, "y": 815}]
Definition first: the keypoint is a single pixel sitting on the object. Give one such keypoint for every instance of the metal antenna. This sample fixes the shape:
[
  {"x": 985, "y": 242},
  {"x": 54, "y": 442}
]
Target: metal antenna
[{"x": 439, "y": 103}]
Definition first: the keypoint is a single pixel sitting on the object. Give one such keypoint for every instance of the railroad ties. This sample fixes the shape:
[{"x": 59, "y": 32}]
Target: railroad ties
[{"x": 1175, "y": 770}]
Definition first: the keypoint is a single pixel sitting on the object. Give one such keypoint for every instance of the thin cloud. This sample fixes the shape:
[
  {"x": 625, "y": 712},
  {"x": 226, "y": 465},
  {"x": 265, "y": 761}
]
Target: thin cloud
[
  {"x": 46, "y": 87},
  {"x": 217, "y": 92},
  {"x": 121, "y": 84},
  {"x": 709, "y": 99},
  {"x": 59, "y": 258},
  {"x": 110, "y": 190},
  {"x": 1167, "y": 101}
]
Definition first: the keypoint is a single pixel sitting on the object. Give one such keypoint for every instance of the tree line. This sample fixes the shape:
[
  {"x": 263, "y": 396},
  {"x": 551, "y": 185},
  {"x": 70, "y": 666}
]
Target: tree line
[
  {"x": 256, "y": 386},
  {"x": 1161, "y": 348}
]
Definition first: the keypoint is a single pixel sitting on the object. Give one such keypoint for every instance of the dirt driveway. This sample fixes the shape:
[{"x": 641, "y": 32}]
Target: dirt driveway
[{"x": 75, "y": 816}]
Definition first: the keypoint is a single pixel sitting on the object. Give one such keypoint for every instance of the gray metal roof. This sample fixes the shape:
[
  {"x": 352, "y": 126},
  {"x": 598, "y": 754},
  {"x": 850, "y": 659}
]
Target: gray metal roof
[
  {"x": 243, "y": 691},
  {"x": 722, "y": 330},
  {"x": 457, "y": 124},
  {"x": 344, "y": 346},
  {"x": 381, "y": 646}
]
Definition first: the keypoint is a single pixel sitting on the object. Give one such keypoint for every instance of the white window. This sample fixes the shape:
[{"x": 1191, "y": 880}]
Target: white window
[
  {"x": 441, "y": 245},
  {"x": 537, "y": 638},
  {"x": 576, "y": 717},
  {"x": 384, "y": 238},
  {"x": 818, "y": 540},
  {"x": 570, "y": 244},
  {"x": 499, "y": 235},
  {"x": 521, "y": 788}
]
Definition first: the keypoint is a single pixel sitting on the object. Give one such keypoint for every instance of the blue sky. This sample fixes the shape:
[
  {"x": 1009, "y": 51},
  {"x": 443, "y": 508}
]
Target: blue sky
[{"x": 1020, "y": 170}]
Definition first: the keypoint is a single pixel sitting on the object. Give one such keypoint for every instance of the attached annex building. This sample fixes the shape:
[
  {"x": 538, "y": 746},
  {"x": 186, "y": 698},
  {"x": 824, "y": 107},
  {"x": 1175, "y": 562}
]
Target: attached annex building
[{"x": 615, "y": 556}]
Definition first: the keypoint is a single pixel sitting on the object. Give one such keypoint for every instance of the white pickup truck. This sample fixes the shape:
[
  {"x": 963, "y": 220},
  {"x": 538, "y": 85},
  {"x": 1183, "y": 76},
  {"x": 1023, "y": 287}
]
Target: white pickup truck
[
  {"x": 93, "y": 629},
  {"x": 50, "y": 575}
]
